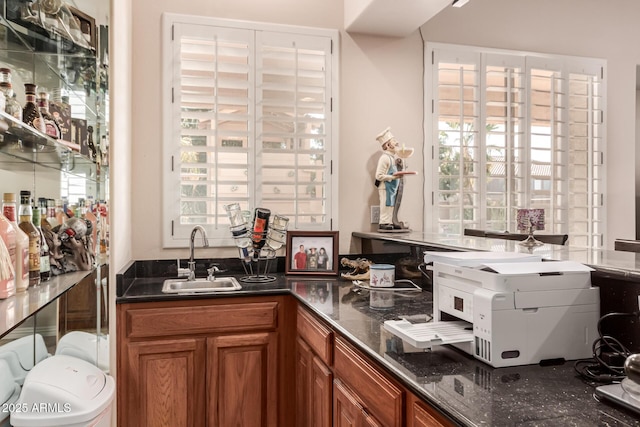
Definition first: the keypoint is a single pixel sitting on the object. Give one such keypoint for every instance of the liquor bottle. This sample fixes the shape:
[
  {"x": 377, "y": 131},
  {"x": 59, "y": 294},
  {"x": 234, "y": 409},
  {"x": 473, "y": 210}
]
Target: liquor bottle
[
  {"x": 51, "y": 213},
  {"x": 103, "y": 214},
  {"x": 92, "y": 147},
  {"x": 60, "y": 215},
  {"x": 12, "y": 106},
  {"x": 87, "y": 213},
  {"x": 7, "y": 276},
  {"x": 50, "y": 123},
  {"x": 61, "y": 111},
  {"x": 45, "y": 265},
  {"x": 30, "y": 112},
  {"x": 25, "y": 214},
  {"x": 22, "y": 242},
  {"x": 260, "y": 225}
]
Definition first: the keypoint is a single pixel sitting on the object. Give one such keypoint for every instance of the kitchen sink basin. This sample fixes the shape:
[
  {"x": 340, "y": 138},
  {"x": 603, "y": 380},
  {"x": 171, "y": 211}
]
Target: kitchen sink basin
[{"x": 200, "y": 286}]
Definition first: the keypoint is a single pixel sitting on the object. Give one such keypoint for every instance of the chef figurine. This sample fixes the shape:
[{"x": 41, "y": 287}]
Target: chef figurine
[{"x": 389, "y": 180}]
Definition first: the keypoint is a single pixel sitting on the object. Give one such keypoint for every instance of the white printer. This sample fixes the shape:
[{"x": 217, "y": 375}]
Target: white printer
[{"x": 509, "y": 313}]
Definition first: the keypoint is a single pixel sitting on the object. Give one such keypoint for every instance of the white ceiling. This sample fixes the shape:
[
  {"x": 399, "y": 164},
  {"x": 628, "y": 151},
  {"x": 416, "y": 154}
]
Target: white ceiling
[{"x": 390, "y": 17}]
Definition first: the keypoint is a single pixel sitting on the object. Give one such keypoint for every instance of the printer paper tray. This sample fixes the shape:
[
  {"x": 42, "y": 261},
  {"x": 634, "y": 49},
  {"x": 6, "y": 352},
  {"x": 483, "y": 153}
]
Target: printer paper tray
[{"x": 426, "y": 335}]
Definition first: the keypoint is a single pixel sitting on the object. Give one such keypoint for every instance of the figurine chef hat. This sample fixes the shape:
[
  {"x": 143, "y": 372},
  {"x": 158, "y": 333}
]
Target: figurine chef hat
[{"x": 384, "y": 136}]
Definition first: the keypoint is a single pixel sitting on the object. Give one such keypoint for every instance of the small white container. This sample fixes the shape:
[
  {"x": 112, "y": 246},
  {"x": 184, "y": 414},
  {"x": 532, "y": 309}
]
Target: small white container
[
  {"x": 65, "y": 391},
  {"x": 382, "y": 275}
]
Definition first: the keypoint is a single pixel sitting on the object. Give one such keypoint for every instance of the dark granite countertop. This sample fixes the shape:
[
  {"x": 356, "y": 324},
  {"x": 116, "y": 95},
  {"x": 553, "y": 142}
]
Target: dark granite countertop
[{"x": 470, "y": 392}]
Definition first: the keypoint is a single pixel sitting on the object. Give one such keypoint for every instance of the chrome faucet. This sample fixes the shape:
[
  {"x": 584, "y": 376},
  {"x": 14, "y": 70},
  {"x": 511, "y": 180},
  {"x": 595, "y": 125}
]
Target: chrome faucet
[{"x": 205, "y": 243}]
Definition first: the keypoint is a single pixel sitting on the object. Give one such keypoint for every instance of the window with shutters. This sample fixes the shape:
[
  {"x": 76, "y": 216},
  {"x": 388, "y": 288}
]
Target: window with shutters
[
  {"x": 249, "y": 117},
  {"x": 516, "y": 130}
]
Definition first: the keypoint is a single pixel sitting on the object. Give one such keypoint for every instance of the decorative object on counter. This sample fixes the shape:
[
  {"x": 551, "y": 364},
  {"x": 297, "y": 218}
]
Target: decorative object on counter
[
  {"x": 359, "y": 268},
  {"x": 74, "y": 235},
  {"x": 312, "y": 252},
  {"x": 257, "y": 246},
  {"x": 530, "y": 220},
  {"x": 389, "y": 178},
  {"x": 382, "y": 275}
]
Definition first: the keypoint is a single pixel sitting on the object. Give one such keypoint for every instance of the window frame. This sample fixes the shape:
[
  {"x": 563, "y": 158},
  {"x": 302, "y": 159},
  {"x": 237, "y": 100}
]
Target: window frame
[
  {"x": 218, "y": 234},
  {"x": 567, "y": 65}
]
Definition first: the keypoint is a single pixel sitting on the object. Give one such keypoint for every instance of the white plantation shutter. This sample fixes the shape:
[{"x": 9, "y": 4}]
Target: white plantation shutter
[
  {"x": 248, "y": 120},
  {"x": 512, "y": 131},
  {"x": 293, "y": 118}
]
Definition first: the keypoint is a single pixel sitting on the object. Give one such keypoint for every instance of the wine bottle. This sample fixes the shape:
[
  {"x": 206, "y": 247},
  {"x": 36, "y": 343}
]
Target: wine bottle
[
  {"x": 51, "y": 125},
  {"x": 22, "y": 243},
  {"x": 260, "y": 226},
  {"x": 12, "y": 106},
  {"x": 30, "y": 112},
  {"x": 45, "y": 265},
  {"x": 26, "y": 217}
]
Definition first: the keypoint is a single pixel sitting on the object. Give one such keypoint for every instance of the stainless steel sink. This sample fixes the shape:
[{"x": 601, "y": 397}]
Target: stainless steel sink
[{"x": 200, "y": 286}]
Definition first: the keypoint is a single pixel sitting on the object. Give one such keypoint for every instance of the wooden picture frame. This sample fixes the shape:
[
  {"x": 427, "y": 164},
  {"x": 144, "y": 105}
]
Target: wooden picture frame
[
  {"x": 320, "y": 250},
  {"x": 87, "y": 25}
]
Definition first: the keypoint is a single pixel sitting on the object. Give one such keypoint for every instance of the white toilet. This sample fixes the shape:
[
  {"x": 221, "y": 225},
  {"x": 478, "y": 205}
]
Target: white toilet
[
  {"x": 64, "y": 391},
  {"x": 9, "y": 393}
]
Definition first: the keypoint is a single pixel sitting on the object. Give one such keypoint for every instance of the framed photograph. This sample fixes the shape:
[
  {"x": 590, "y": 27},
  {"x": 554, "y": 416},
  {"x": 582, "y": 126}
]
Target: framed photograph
[{"x": 312, "y": 252}]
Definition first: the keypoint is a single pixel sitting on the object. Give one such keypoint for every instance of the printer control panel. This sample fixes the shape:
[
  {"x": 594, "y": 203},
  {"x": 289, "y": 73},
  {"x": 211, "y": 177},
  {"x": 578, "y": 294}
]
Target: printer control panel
[{"x": 456, "y": 303}]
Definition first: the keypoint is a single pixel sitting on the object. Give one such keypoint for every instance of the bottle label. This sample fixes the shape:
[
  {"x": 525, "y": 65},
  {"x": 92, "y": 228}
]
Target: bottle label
[
  {"x": 45, "y": 264},
  {"x": 9, "y": 212},
  {"x": 25, "y": 263},
  {"x": 258, "y": 229},
  {"x": 39, "y": 124},
  {"x": 52, "y": 131},
  {"x": 34, "y": 253}
]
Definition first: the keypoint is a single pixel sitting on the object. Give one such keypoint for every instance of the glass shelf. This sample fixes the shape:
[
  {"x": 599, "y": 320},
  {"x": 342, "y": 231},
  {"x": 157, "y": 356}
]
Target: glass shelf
[{"x": 24, "y": 146}]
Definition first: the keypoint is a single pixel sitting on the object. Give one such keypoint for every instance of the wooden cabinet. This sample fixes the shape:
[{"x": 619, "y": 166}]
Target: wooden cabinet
[
  {"x": 419, "y": 414},
  {"x": 165, "y": 385},
  {"x": 336, "y": 384},
  {"x": 242, "y": 380},
  {"x": 347, "y": 410},
  {"x": 215, "y": 362},
  {"x": 313, "y": 374},
  {"x": 378, "y": 396}
]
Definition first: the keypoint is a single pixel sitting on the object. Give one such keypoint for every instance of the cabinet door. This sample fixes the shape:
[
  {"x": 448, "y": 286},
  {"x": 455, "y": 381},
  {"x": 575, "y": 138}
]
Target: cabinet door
[
  {"x": 346, "y": 410},
  {"x": 419, "y": 414},
  {"x": 304, "y": 360},
  {"x": 376, "y": 393},
  {"x": 321, "y": 384},
  {"x": 242, "y": 375},
  {"x": 165, "y": 384}
]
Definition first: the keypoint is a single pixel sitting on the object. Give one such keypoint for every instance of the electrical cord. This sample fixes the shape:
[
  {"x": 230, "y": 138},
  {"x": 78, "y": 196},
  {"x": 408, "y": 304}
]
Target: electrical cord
[{"x": 597, "y": 369}]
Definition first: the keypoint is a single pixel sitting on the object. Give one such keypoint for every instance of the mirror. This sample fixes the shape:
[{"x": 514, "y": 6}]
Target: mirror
[{"x": 67, "y": 314}]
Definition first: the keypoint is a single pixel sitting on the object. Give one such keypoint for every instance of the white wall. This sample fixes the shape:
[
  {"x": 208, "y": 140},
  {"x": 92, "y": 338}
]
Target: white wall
[
  {"x": 381, "y": 85},
  {"x": 588, "y": 28}
]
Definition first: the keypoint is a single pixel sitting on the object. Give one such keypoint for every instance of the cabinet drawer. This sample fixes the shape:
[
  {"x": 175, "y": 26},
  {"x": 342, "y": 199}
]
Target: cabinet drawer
[
  {"x": 200, "y": 319},
  {"x": 314, "y": 333},
  {"x": 380, "y": 397}
]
